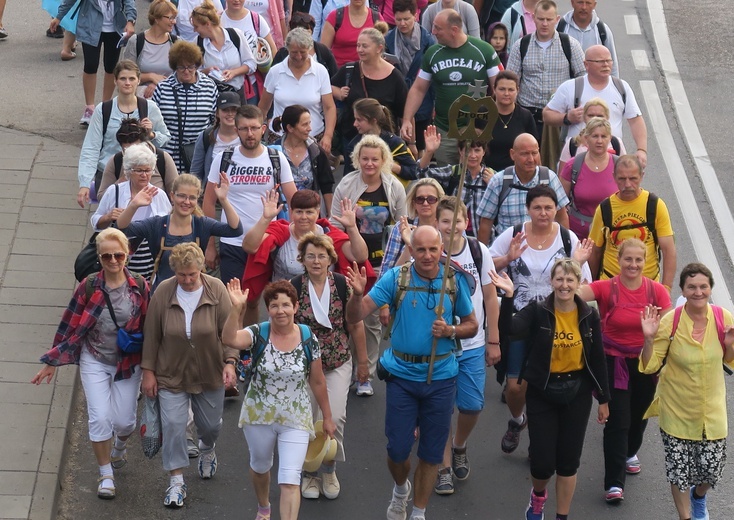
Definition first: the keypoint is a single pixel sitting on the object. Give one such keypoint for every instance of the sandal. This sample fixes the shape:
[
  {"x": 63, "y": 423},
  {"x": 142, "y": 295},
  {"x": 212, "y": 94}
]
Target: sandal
[
  {"x": 262, "y": 516},
  {"x": 106, "y": 492},
  {"x": 118, "y": 462},
  {"x": 68, "y": 57}
]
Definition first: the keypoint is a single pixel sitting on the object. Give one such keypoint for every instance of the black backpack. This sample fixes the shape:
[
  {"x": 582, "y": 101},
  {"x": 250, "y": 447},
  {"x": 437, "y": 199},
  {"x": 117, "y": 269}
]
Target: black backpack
[
  {"x": 561, "y": 28},
  {"x": 508, "y": 175},
  {"x": 340, "y": 282},
  {"x": 565, "y": 45},
  {"x": 578, "y": 162},
  {"x": 140, "y": 42},
  {"x": 340, "y": 16},
  {"x": 565, "y": 237},
  {"x": 573, "y": 146},
  {"x": 160, "y": 164},
  {"x": 232, "y": 36},
  {"x": 107, "y": 113}
]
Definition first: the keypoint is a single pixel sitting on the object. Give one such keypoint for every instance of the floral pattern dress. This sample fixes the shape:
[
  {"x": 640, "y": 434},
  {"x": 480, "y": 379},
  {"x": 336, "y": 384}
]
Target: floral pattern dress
[
  {"x": 334, "y": 342},
  {"x": 278, "y": 392}
]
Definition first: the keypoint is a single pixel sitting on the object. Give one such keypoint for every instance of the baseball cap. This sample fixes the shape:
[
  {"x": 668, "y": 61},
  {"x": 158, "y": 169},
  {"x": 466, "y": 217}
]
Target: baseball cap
[{"x": 229, "y": 99}]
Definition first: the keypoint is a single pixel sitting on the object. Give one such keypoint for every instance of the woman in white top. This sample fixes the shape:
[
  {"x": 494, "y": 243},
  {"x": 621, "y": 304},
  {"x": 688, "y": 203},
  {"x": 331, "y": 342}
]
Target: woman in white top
[
  {"x": 186, "y": 8},
  {"x": 225, "y": 59},
  {"x": 138, "y": 165},
  {"x": 153, "y": 57}
]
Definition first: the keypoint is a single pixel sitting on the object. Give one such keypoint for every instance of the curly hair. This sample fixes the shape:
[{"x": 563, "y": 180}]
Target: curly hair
[
  {"x": 273, "y": 289},
  {"x": 373, "y": 141},
  {"x": 186, "y": 254},
  {"x": 184, "y": 53},
  {"x": 315, "y": 240}
]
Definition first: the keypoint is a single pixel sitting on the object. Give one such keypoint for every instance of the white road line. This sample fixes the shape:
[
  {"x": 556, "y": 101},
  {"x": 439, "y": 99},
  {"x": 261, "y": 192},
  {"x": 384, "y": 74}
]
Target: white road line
[
  {"x": 640, "y": 59},
  {"x": 632, "y": 24},
  {"x": 714, "y": 193},
  {"x": 683, "y": 191}
]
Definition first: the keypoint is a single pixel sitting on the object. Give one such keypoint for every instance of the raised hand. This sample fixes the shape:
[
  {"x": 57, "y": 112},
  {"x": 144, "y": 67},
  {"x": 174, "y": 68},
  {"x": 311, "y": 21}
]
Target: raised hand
[
  {"x": 222, "y": 189},
  {"x": 348, "y": 218},
  {"x": 145, "y": 196},
  {"x": 433, "y": 139},
  {"x": 237, "y": 296},
  {"x": 502, "y": 281},
  {"x": 357, "y": 278},
  {"x": 650, "y": 319},
  {"x": 406, "y": 228},
  {"x": 516, "y": 248},
  {"x": 271, "y": 208},
  {"x": 583, "y": 250}
]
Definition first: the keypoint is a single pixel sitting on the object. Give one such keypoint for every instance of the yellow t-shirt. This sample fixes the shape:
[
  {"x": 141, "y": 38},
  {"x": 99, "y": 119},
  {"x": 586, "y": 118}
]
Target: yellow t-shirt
[
  {"x": 630, "y": 213},
  {"x": 567, "y": 354}
]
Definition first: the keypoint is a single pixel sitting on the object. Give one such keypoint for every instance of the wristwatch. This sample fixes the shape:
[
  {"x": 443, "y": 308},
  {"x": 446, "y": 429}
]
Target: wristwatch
[
  {"x": 566, "y": 120},
  {"x": 453, "y": 333},
  {"x": 230, "y": 362}
]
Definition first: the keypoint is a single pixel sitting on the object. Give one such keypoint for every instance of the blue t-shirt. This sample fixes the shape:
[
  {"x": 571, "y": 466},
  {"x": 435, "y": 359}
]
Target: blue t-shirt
[{"x": 411, "y": 329}]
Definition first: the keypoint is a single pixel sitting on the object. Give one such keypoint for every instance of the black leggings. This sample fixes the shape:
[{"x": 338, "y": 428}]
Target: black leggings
[
  {"x": 111, "y": 53},
  {"x": 557, "y": 432}
]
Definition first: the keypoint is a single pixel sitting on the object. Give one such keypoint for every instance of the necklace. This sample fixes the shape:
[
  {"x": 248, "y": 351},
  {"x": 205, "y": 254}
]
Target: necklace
[
  {"x": 508, "y": 121},
  {"x": 540, "y": 245},
  {"x": 596, "y": 166}
]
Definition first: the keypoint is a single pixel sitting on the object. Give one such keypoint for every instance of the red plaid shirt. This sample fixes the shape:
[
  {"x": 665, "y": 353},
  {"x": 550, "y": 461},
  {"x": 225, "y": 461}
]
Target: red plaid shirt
[{"x": 81, "y": 316}]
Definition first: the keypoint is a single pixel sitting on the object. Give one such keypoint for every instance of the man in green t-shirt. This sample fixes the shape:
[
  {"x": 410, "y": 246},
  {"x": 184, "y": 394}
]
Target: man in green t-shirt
[{"x": 456, "y": 63}]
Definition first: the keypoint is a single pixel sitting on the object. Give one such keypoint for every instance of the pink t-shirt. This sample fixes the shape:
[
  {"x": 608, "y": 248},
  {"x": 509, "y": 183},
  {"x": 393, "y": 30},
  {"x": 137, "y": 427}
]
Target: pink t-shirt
[
  {"x": 345, "y": 38},
  {"x": 592, "y": 187}
]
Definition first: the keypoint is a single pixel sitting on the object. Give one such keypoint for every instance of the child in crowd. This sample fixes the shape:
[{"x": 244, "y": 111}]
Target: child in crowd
[{"x": 497, "y": 36}]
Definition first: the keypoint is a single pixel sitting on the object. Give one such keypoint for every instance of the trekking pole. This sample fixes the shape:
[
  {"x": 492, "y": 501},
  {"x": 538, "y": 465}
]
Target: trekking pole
[{"x": 482, "y": 108}]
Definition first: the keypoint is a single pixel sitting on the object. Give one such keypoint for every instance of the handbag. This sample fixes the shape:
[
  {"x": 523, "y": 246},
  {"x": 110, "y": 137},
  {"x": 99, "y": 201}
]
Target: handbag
[
  {"x": 128, "y": 342},
  {"x": 87, "y": 261},
  {"x": 563, "y": 387}
]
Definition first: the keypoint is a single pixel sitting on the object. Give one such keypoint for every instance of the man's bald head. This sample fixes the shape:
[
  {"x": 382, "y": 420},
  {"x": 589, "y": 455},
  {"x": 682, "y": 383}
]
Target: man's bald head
[
  {"x": 598, "y": 62},
  {"x": 425, "y": 235}
]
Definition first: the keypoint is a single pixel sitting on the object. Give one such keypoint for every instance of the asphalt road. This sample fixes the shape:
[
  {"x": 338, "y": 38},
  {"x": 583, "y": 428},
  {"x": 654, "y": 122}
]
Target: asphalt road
[{"x": 41, "y": 94}]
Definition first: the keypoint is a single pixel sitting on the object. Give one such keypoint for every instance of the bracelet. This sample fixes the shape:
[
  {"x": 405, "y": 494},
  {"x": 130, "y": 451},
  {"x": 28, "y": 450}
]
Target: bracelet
[
  {"x": 230, "y": 362},
  {"x": 641, "y": 150},
  {"x": 493, "y": 343},
  {"x": 410, "y": 143}
]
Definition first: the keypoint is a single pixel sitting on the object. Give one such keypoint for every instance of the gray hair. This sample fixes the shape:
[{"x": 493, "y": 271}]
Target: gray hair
[
  {"x": 136, "y": 156},
  {"x": 299, "y": 37}
]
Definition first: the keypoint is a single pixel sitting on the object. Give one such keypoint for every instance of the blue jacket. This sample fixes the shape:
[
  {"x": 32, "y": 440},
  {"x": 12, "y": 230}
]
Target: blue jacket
[
  {"x": 89, "y": 18},
  {"x": 425, "y": 111}
]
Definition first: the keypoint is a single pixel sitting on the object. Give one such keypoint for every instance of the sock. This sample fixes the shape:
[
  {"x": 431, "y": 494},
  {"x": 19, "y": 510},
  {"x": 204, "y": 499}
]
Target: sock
[
  {"x": 402, "y": 490},
  {"x": 457, "y": 447},
  {"x": 118, "y": 447},
  {"x": 697, "y": 496},
  {"x": 264, "y": 510},
  {"x": 418, "y": 512},
  {"x": 538, "y": 493},
  {"x": 561, "y": 517},
  {"x": 203, "y": 447},
  {"x": 176, "y": 479},
  {"x": 519, "y": 420},
  {"x": 105, "y": 470},
  {"x": 328, "y": 469}
]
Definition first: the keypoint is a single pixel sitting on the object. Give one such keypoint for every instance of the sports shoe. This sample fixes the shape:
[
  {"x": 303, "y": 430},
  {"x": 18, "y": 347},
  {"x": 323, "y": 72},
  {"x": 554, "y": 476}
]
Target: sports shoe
[
  {"x": 444, "y": 482},
  {"x": 365, "y": 389},
  {"x": 87, "y": 117},
  {"x": 175, "y": 495},
  {"x": 192, "y": 448},
  {"x": 58, "y": 33},
  {"x": 614, "y": 495},
  {"x": 207, "y": 464},
  {"x": 397, "y": 510},
  {"x": 698, "y": 507},
  {"x": 511, "y": 439},
  {"x": 633, "y": 466},
  {"x": 309, "y": 486},
  {"x": 106, "y": 492},
  {"x": 3, "y": 32},
  {"x": 330, "y": 486},
  {"x": 535, "y": 507},
  {"x": 120, "y": 461},
  {"x": 460, "y": 463}
]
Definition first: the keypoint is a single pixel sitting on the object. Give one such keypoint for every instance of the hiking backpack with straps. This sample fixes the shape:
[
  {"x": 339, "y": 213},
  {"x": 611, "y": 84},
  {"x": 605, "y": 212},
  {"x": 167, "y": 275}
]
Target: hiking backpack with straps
[
  {"x": 565, "y": 45},
  {"x": 514, "y": 18},
  {"x": 616, "y": 146},
  {"x": 160, "y": 164},
  {"x": 260, "y": 341},
  {"x": 89, "y": 283},
  {"x": 232, "y": 36},
  {"x": 340, "y": 17},
  {"x": 140, "y": 42},
  {"x": 107, "y": 112},
  {"x": 340, "y": 282},
  {"x": 578, "y": 90},
  {"x": 651, "y": 211},
  {"x": 508, "y": 175},
  {"x": 720, "y": 328},
  {"x": 562, "y": 24},
  {"x": 578, "y": 162},
  {"x": 565, "y": 237}
]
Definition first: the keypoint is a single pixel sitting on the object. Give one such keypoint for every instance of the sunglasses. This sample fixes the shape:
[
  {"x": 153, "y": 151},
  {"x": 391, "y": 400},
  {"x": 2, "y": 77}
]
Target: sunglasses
[
  {"x": 422, "y": 200},
  {"x": 107, "y": 257}
]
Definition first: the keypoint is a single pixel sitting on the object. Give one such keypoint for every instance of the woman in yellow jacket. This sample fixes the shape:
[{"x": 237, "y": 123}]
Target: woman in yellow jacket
[{"x": 691, "y": 395}]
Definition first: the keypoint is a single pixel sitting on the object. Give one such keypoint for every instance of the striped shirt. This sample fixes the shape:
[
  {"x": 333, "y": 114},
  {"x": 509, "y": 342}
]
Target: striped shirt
[{"x": 198, "y": 103}]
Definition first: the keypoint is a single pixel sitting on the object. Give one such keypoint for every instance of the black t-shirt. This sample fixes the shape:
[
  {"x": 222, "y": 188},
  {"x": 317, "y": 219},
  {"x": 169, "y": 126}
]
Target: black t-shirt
[
  {"x": 373, "y": 214},
  {"x": 391, "y": 92},
  {"x": 520, "y": 122}
]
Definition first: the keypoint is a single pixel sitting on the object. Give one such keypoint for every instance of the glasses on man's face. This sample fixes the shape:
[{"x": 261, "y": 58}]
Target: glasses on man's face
[
  {"x": 142, "y": 171},
  {"x": 107, "y": 257},
  {"x": 183, "y": 197},
  {"x": 602, "y": 62},
  {"x": 321, "y": 258},
  {"x": 249, "y": 129},
  {"x": 422, "y": 200},
  {"x": 186, "y": 68}
]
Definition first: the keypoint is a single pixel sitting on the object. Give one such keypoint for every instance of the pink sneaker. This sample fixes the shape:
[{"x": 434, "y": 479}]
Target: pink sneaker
[{"x": 87, "y": 116}]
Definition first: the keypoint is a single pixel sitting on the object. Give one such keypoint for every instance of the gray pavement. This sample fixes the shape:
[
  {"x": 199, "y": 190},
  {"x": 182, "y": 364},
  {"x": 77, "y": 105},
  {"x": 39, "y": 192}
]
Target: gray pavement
[{"x": 41, "y": 230}]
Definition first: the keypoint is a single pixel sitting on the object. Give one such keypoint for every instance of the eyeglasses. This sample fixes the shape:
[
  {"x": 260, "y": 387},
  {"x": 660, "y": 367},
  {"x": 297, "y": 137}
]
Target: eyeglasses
[
  {"x": 183, "y": 197},
  {"x": 142, "y": 171},
  {"x": 107, "y": 257},
  {"x": 607, "y": 62},
  {"x": 249, "y": 129},
  {"x": 170, "y": 18},
  {"x": 422, "y": 200},
  {"x": 321, "y": 258},
  {"x": 187, "y": 68}
]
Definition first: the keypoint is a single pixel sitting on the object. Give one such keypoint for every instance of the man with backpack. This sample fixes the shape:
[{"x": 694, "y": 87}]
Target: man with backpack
[
  {"x": 566, "y": 107},
  {"x": 503, "y": 203},
  {"x": 412, "y": 292},
  {"x": 632, "y": 212},
  {"x": 543, "y": 60},
  {"x": 518, "y": 18},
  {"x": 584, "y": 25}
]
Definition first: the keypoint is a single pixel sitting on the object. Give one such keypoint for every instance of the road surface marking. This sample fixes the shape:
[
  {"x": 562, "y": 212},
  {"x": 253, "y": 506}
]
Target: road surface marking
[
  {"x": 641, "y": 60},
  {"x": 632, "y": 24}
]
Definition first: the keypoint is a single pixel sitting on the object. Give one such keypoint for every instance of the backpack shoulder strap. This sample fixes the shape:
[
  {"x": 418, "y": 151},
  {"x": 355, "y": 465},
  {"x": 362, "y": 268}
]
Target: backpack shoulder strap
[
  {"x": 106, "y": 115},
  {"x": 139, "y": 43},
  {"x": 566, "y": 46},
  {"x": 578, "y": 162},
  {"x": 620, "y": 88},
  {"x": 142, "y": 107},
  {"x": 606, "y": 212},
  {"x": 524, "y": 44},
  {"x": 200, "y": 44},
  {"x": 476, "y": 254},
  {"x": 617, "y": 148},
  {"x": 208, "y": 133},
  {"x": 523, "y": 28},
  {"x": 562, "y": 24},
  {"x": 514, "y": 15},
  {"x": 573, "y": 147},
  {"x": 89, "y": 285},
  {"x": 676, "y": 320},
  {"x": 375, "y": 16},
  {"x": 339, "y": 18},
  {"x": 117, "y": 161},
  {"x": 507, "y": 176},
  {"x": 226, "y": 160},
  {"x": 602, "y": 30},
  {"x": 235, "y": 39},
  {"x": 566, "y": 239},
  {"x": 261, "y": 340},
  {"x": 297, "y": 283},
  {"x": 543, "y": 175},
  {"x": 172, "y": 38},
  {"x": 255, "y": 23},
  {"x": 341, "y": 288},
  {"x": 275, "y": 161},
  {"x": 160, "y": 164},
  {"x": 307, "y": 342},
  {"x": 720, "y": 327},
  {"x": 578, "y": 90},
  {"x": 651, "y": 214},
  {"x": 517, "y": 228}
]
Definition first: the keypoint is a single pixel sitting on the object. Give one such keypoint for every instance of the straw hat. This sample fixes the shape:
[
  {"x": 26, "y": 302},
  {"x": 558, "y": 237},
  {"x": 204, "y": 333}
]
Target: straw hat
[{"x": 321, "y": 449}]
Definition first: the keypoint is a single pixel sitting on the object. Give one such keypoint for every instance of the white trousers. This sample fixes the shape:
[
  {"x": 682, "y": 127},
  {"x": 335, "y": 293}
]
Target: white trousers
[
  {"x": 292, "y": 446},
  {"x": 337, "y": 386}
]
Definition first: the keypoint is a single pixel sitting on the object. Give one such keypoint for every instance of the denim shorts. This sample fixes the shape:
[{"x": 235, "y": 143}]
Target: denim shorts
[
  {"x": 515, "y": 357},
  {"x": 470, "y": 382},
  {"x": 412, "y": 404}
]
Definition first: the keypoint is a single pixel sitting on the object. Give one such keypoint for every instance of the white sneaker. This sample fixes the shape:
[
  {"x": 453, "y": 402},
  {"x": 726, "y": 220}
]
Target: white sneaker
[
  {"x": 309, "y": 486},
  {"x": 87, "y": 116},
  {"x": 365, "y": 389},
  {"x": 330, "y": 486},
  {"x": 175, "y": 496},
  {"x": 207, "y": 464},
  {"x": 397, "y": 510}
]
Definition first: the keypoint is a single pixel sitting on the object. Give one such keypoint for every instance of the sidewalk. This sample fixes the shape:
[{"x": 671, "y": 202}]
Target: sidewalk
[{"x": 41, "y": 231}]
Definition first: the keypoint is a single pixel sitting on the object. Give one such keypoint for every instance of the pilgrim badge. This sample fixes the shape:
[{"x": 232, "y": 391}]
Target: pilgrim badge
[{"x": 475, "y": 112}]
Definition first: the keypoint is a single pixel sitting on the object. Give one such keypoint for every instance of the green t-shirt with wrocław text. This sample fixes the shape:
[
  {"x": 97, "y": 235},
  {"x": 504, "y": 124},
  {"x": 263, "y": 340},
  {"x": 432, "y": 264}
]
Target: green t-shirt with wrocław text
[{"x": 452, "y": 71}]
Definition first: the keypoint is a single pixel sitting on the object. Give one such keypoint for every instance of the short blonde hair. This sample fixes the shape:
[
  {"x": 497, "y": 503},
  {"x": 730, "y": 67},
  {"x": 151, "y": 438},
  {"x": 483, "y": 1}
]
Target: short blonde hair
[
  {"x": 113, "y": 234},
  {"x": 410, "y": 197},
  {"x": 631, "y": 242},
  {"x": 569, "y": 266},
  {"x": 315, "y": 240},
  {"x": 597, "y": 102},
  {"x": 373, "y": 141},
  {"x": 186, "y": 254},
  {"x": 597, "y": 122}
]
